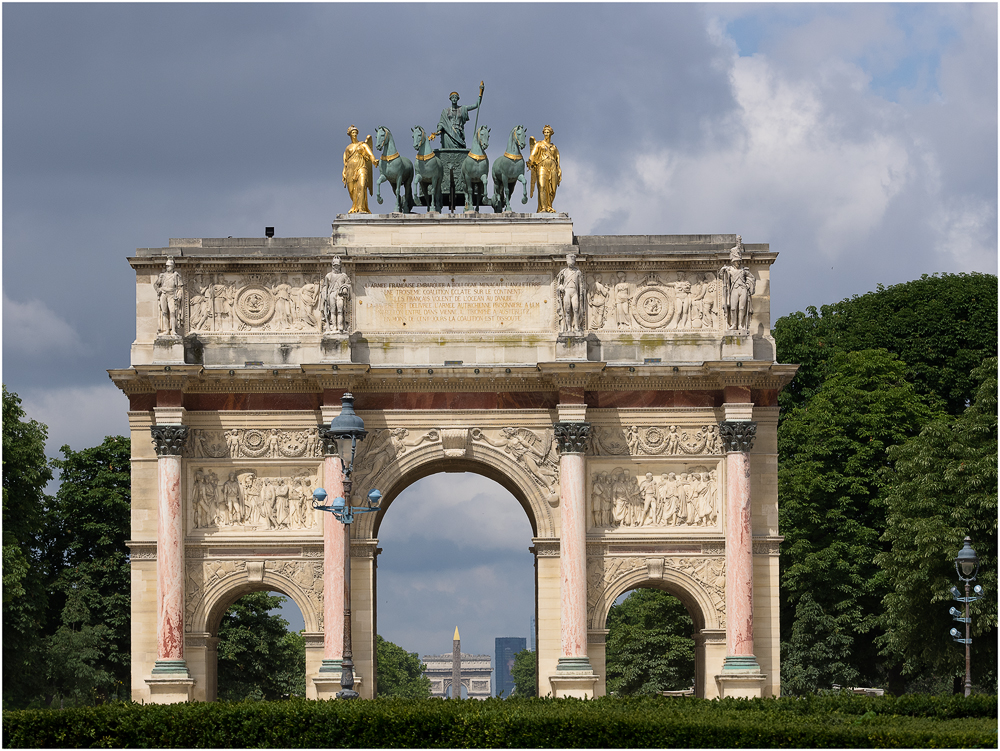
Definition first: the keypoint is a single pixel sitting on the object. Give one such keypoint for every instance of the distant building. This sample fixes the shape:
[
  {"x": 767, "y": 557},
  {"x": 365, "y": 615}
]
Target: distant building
[
  {"x": 506, "y": 648},
  {"x": 476, "y": 671}
]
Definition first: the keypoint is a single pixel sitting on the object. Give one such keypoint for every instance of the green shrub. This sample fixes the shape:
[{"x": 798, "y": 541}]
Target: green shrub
[{"x": 608, "y": 722}]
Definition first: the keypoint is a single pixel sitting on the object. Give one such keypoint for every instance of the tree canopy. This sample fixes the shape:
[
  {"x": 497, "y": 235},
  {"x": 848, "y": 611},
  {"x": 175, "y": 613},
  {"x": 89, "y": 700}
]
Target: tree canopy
[
  {"x": 942, "y": 326},
  {"x": 649, "y": 645},
  {"x": 258, "y": 657},
  {"x": 944, "y": 487},
  {"x": 524, "y": 671},
  {"x": 400, "y": 673}
]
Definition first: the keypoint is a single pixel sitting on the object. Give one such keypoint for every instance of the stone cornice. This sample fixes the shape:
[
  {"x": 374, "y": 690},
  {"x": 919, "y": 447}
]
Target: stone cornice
[{"x": 362, "y": 378}]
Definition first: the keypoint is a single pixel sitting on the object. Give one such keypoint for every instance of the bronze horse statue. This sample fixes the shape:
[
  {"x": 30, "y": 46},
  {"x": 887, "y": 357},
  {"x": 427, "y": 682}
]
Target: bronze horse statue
[
  {"x": 395, "y": 169},
  {"x": 508, "y": 170},
  {"x": 427, "y": 184}
]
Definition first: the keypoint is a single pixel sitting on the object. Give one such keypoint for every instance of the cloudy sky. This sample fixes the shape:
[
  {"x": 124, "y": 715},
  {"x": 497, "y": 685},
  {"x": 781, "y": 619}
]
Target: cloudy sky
[{"x": 859, "y": 140}]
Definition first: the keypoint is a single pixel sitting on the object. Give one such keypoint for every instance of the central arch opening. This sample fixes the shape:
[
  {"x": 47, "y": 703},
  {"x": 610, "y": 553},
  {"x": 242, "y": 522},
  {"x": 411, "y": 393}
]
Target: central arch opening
[{"x": 455, "y": 554}]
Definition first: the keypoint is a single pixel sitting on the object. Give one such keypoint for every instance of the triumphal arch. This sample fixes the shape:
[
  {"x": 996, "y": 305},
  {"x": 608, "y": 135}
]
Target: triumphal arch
[{"x": 622, "y": 388}]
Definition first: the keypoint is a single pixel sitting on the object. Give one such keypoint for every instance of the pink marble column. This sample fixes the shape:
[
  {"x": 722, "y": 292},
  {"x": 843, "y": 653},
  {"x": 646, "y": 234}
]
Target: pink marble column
[
  {"x": 169, "y": 441},
  {"x": 572, "y": 438},
  {"x": 739, "y": 437},
  {"x": 333, "y": 565}
]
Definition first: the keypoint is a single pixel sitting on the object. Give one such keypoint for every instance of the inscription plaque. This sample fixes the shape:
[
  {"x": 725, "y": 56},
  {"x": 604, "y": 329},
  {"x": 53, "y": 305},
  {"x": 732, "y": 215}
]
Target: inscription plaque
[{"x": 512, "y": 302}]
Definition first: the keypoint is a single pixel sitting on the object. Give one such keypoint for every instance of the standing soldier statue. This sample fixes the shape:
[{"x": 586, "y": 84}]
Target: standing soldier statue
[
  {"x": 169, "y": 286},
  {"x": 335, "y": 293}
]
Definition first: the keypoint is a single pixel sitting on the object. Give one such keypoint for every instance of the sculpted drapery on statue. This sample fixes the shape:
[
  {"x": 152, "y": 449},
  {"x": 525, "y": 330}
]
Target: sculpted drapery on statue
[
  {"x": 451, "y": 125},
  {"x": 359, "y": 157},
  {"x": 335, "y": 292},
  {"x": 546, "y": 171}
]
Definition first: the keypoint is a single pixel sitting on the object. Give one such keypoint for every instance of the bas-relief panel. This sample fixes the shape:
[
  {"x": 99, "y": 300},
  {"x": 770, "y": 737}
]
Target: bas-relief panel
[
  {"x": 668, "y": 440},
  {"x": 675, "y": 496},
  {"x": 253, "y": 443},
  {"x": 250, "y": 499},
  {"x": 253, "y": 302},
  {"x": 659, "y": 300}
]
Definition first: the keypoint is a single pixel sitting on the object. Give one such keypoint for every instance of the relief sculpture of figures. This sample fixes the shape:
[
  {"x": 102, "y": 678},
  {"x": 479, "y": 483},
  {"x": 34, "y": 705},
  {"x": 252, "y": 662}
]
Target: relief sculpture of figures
[
  {"x": 251, "y": 501},
  {"x": 359, "y": 158},
  {"x": 620, "y": 499},
  {"x": 597, "y": 300},
  {"x": 521, "y": 443},
  {"x": 738, "y": 287},
  {"x": 623, "y": 297},
  {"x": 546, "y": 171},
  {"x": 671, "y": 440},
  {"x": 571, "y": 297},
  {"x": 335, "y": 292},
  {"x": 169, "y": 287}
]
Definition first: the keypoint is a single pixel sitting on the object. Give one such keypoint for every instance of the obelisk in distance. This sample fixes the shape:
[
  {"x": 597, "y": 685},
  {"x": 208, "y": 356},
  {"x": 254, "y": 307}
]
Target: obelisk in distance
[{"x": 456, "y": 666}]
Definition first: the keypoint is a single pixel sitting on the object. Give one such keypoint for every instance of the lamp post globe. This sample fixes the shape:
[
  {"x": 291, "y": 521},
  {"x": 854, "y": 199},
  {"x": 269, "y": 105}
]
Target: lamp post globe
[{"x": 967, "y": 562}]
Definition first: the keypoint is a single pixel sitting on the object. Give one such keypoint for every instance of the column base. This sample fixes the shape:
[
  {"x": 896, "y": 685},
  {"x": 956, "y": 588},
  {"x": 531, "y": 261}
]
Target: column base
[
  {"x": 574, "y": 677},
  {"x": 740, "y": 663},
  {"x": 169, "y": 682},
  {"x": 327, "y": 683},
  {"x": 741, "y": 685}
]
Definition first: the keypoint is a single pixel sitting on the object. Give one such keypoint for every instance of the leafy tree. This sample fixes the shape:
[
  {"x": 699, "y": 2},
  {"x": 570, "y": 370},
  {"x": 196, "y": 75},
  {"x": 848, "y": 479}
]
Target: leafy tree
[
  {"x": 649, "y": 645},
  {"x": 524, "y": 671},
  {"x": 834, "y": 455},
  {"x": 942, "y": 327},
  {"x": 25, "y": 475},
  {"x": 258, "y": 658},
  {"x": 88, "y": 524},
  {"x": 944, "y": 487},
  {"x": 400, "y": 673}
]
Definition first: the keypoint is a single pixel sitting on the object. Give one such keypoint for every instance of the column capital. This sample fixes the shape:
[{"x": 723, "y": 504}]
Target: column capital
[
  {"x": 330, "y": 446},
  {"x": 572, "y": 437},
  {"x": 738, "y": 435},
  {"x": 169, "y": 439}
]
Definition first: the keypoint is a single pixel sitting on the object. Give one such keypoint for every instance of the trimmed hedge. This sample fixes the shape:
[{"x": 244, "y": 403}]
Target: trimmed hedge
[{"x": 911, "y": 721}]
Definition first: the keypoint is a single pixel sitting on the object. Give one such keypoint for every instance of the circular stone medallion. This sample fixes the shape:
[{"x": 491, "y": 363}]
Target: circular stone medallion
[
  {"x": 652, "y": 308},
  {"x": 255, "y": 304}
]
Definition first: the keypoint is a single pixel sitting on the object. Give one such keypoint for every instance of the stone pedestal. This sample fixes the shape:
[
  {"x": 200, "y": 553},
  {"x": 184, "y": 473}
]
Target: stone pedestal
[
  {"x": 163, "y": 690},
  {"x": 577, "y": 684},
  {"x": 748, "y": 685},
  {"x": 335, "y": 348},
  {"x": 168, "y": 350},
  {"x": 571, "y": 346},
  {"x": 328, "y": 683},
  {"x": 737, "y": 345}
]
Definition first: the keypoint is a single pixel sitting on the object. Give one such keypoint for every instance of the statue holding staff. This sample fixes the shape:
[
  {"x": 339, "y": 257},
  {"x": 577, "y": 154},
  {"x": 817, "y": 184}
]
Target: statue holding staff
[{"x": 451, "y": 125}]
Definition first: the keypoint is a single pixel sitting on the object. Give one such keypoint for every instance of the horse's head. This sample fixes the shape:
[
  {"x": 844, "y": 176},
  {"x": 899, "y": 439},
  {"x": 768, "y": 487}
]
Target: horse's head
[
  {"x": 483, "y": 136},
  {"x": 419, "y": 137},
  {"x": 380, "y": 134},
  {"x": 520, "y": 134}
]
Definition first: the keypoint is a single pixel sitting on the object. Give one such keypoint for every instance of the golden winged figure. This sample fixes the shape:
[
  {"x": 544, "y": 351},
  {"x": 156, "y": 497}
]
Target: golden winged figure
[
  {"x": 359, "y": 158},
  {"x": 546, "y": 171}
]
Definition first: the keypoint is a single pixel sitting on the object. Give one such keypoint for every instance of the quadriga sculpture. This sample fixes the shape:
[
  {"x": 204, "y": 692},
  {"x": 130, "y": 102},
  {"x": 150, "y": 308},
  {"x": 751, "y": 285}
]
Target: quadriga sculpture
[
  {"x": 476, "y": 170},
  {"x": 508, "y": 170},
  {"x": 395, "y": 169}
]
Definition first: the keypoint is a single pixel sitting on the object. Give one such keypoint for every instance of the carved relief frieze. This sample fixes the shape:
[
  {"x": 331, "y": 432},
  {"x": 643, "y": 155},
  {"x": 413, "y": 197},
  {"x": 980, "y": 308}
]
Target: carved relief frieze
[
  {"x": 226, "y": 302},
  {"x": 307, "y": 575},
  {"x": 199, "y": 577},
  {"x": 645, "y": 300},
  {"x": 535, "y": 453},
  {"x": 688, "y": 496},
  {"x": 669, "y": 440},
  {"x": 251, "y": 499},
  {"x": 254, "y": 443},
  {"x": 710, "y": 572}
]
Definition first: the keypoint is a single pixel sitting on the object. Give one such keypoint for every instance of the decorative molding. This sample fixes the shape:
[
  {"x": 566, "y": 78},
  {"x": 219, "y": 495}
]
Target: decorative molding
[
  {"x": 669, "y": 440},
  {"x": 766, "y": 547},
  {"x": 545, "y": 548},
  {"x": 141, "y": 550},
  {"x": 738, "y": 436},
  {"x": 254, "y": 443},
  {"x": 169, "y": 439}
]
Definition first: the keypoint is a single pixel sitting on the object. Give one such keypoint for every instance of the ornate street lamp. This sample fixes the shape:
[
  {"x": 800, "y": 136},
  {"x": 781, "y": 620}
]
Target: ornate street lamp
[
  {"x": 967, "y": 566},
  {"x": 347, "y": 425}
]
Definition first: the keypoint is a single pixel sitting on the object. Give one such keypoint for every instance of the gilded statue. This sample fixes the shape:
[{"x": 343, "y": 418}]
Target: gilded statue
[
  {"x": 546, "y": 171},
  {"x": 359, "y": 158}
]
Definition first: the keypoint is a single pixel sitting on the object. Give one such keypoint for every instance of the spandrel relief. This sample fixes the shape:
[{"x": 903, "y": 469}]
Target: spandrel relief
[
  {"x": 657, "y": 300},
  {"x": 383, "y": 446},
  {"x": 220, "y": 303},
  {"x": 685, "y": 496},
  {"x": 254, "y": 443},
  {"x": 536, "y": 453},
  {"x": 251, "y": 499},
  {"x": 668, "y": 440}
]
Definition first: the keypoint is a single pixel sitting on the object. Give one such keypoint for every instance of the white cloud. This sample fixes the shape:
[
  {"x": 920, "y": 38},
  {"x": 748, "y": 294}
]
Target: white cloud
[
  {"x": 80, "y": 416},
  {"x": 32, "y": 329}
]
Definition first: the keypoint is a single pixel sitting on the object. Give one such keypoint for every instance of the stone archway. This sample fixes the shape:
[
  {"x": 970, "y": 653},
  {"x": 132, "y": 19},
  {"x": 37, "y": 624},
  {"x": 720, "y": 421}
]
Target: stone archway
[
  {"x": 695, "y": 581},
  {"x": 214, "y": 586}
]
